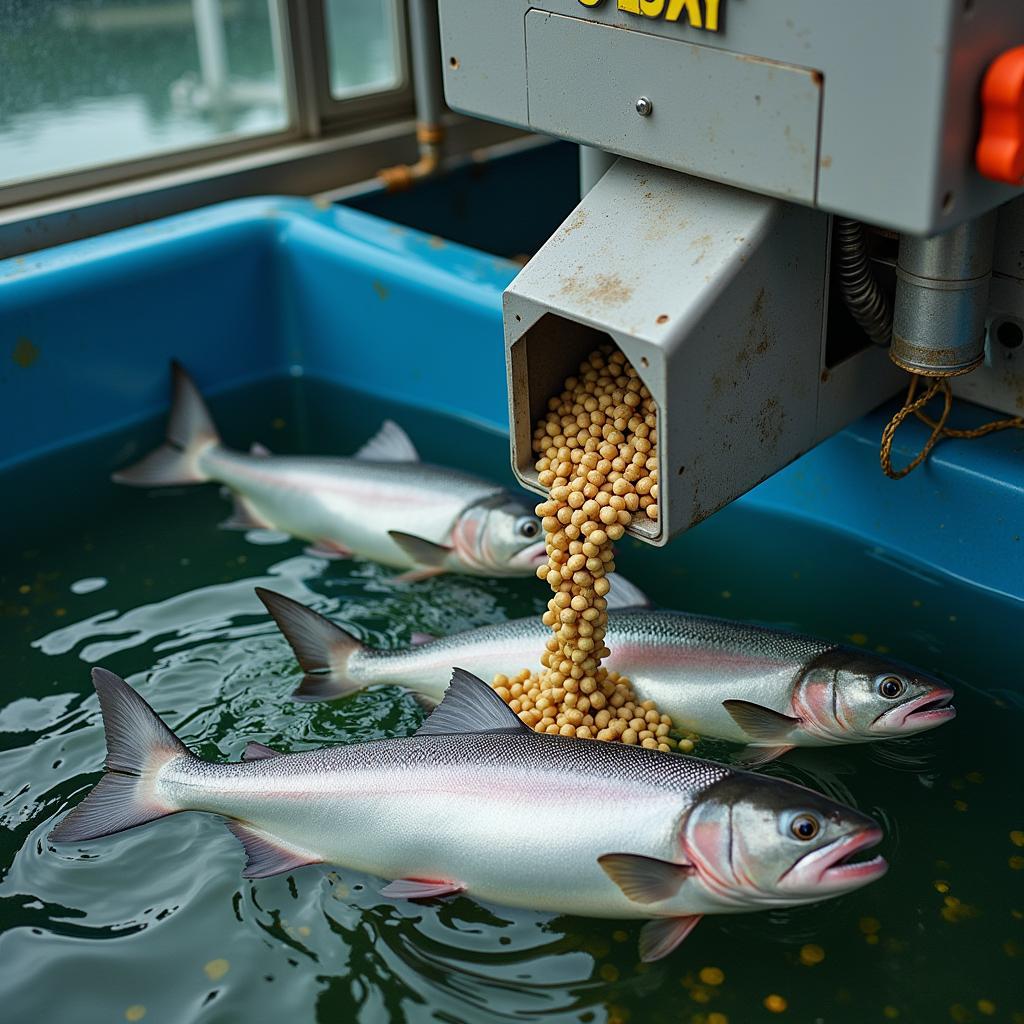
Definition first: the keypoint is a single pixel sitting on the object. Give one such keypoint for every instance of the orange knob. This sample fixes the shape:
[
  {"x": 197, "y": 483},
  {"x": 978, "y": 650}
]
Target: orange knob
[{"x": 1000, "y": 152}]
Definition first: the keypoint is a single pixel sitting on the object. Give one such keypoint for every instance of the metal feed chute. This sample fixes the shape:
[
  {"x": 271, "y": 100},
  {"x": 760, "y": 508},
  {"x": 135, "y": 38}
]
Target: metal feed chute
[{"x": 787, "y": 206}]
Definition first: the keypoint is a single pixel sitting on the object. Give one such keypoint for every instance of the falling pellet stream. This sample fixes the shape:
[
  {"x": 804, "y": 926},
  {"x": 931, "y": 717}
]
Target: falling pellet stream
[{"x": 597, "y": 453}]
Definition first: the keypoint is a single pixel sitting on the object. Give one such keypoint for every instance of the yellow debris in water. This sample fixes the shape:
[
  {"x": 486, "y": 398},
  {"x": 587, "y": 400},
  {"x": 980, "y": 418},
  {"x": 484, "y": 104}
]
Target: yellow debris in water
[
  {"x": 24, "y": 589},
  {"x": 869, "y": 925},
  {"x": 775, "y": 1003},
  {"x": 811, "y": 954},
  {"x": 609, "y": 972},
  {"x": 596, "y": 452},
  {"x": 712, "y": 975},
  {"x": 987, "y": 1007},
  {"x": 1017, "y": 837},
  {"x": 1016, "y": 862},
  {"x": 960, "y": 805},
  {"x": 717, "y": 1018},
  {"x": 216, "y": 969},
  {"x": 700, "y": 994},
  {"x": 975, "y": 777},
  {"x": 960, "y": 1013},
  {"x": 136, "y": 1012},
  {"x": 860, "y": 639},
  {"x": 942, "y": 886},
  {"x": 890, "y": 1012}
]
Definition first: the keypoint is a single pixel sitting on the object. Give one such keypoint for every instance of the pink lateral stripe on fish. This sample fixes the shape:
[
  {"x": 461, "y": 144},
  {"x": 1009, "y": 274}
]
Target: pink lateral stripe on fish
[
  {"x": 637, "y": 834},
  {"x": 383, "y": 503}
]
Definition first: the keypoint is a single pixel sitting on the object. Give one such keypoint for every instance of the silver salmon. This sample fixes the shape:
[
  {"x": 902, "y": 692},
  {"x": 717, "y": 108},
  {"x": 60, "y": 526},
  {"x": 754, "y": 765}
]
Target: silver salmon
[
  {"x": 476, "y": 802},
  {"x": 383, "y": 503},
  {"x": 767, "y": 688}
]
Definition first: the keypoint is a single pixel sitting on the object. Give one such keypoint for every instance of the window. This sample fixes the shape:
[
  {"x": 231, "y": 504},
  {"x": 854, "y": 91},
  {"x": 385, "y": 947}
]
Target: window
[
  {"x": 363, "y": 46},
  {"x": 87, "y": 82}
]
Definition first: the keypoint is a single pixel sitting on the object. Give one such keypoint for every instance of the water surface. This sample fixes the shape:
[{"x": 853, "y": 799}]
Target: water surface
[{"x": 157, "y": 924}]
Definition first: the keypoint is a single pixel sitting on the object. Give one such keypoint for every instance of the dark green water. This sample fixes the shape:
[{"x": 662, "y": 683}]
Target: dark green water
[{"x": 158, "y": 925}]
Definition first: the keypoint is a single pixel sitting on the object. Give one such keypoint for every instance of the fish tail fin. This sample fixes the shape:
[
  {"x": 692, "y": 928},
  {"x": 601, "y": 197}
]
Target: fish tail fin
[
  {"x": 322, "y": 647},
  {"x": 190, "y": 432},
  {"x": 139, "y": 745}
]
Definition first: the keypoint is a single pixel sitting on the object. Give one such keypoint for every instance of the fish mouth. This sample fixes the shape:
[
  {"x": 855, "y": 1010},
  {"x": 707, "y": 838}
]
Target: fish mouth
[
  {"x": 832, "y": 868},
  {"x": 536, "y": 556},
  {"x": 924, "y": 712},
  {"x": 840, "y": 870}
]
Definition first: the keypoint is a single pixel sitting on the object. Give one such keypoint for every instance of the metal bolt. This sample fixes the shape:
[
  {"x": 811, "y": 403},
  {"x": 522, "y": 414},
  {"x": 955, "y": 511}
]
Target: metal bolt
[{"x": 644, "y": 106}]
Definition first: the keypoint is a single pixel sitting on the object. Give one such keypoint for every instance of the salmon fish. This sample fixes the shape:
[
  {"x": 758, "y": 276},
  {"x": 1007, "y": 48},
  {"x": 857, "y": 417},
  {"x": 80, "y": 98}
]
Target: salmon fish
[
  {"x": 476, "y": 802},
  {"x": 766, "y": 688},
  {"x": 383, "y": 503}
]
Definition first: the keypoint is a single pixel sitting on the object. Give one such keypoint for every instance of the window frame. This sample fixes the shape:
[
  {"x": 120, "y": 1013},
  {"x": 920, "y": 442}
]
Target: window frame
[{"x": 312, "y": 113}]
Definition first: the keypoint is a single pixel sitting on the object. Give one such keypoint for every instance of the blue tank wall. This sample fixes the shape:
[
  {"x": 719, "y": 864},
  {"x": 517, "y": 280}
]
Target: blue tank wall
[{"x": 264, "y": 287}]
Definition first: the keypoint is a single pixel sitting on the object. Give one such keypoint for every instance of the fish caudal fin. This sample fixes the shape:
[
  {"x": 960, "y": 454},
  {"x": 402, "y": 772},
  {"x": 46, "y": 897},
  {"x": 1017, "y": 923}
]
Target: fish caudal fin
[
  {"x": 190, "y": 431},
  {"x": 322, "y": 647},
  {"x": 138, "y": 746}
]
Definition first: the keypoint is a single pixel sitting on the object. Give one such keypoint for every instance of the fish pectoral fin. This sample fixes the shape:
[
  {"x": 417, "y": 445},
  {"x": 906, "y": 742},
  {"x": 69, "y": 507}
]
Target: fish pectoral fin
[
  {"x": 424, "y": 553},
  {"x": 259, "y": 451},
  {"x": 420, "y": 888},
  {"x": 624, "y": 594},
  {"x": 244, "y": 517},
  {"x": 659, "y": 938},
  {"x": 258, "y": 751},
  {"x": 755, "y": 756},
  {"x": 644, "y": 879},
  {"x": 390, "y": 444},
  {"x": 265, "y": 855},
  {"x": 421, "y": 700},
  {"x": 419, "y": 639},
  {"x": 469, "y": 705},
  {"x": 761, "y": 723},
  {"x": 328, "y": 549},
  {"x": 415, "y": 575}
]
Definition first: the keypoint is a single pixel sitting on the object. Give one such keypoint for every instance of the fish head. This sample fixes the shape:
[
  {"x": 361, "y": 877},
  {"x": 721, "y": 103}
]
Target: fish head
[
  {"x": 853, "y": 696},
  {"x": 755, "y": 840},
  {"x": 499, "y": 537}
]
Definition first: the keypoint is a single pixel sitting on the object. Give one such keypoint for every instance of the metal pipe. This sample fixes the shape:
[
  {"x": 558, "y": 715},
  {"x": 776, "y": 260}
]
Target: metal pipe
[
  {"x": 425, "y": 44},
  {"x": 213, "y": 53},
  {"x": 942, "y": 286},
  {"x": 593, "y": 164},
  {"x": 860, "y": 290}
]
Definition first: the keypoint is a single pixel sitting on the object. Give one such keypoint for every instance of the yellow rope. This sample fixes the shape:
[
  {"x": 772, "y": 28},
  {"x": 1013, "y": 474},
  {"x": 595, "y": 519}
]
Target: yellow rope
[{"x": 939, "y": 428}]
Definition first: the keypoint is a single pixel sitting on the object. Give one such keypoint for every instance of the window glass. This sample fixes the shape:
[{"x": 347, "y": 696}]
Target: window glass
[
  {"x": 87, "y": 82},
  {"x": 362, "y": 46}
]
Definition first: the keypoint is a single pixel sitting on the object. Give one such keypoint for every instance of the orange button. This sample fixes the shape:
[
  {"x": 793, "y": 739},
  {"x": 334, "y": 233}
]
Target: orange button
[{"x": 1000, "y": 152}]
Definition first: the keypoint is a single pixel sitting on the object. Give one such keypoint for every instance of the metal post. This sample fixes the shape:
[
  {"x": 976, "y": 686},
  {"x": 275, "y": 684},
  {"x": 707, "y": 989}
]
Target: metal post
[
  {"x": 593, "y": 164},
  {"x": 213, "y": 53}
]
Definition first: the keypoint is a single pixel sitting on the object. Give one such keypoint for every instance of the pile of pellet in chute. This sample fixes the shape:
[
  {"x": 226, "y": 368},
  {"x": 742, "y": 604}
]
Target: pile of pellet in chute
[{"x": 597, "y": 454}]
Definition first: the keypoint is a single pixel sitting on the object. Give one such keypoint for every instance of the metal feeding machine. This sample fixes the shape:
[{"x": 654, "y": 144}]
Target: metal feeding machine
[{"x": 787, "y": 204}]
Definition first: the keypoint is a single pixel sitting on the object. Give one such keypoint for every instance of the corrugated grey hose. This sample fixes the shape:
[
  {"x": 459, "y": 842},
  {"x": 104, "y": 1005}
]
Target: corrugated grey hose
[{"x": 864, "y": 299}]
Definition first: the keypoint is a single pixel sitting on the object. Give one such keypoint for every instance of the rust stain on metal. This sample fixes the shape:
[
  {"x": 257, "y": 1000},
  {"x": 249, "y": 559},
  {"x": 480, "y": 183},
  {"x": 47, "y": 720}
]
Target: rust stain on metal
[
  {"x": 578, "y": 220},
  {"x": 770, "y": 422},
  {"x": 598, "y": 290},
  {"x": 663, "y": 319},
  {"x": 703, "y": 243},
  {"x": 826, "y": 162}
]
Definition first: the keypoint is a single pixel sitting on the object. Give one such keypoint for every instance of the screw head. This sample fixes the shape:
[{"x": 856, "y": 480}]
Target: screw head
[{"x": 644, "y": 106}]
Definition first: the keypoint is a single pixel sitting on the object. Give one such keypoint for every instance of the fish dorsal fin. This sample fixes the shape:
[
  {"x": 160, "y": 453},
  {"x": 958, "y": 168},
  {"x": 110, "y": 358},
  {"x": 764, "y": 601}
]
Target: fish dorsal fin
[
  {"x": 469, "y": 705},
  {"x": 390, "y": 444}
]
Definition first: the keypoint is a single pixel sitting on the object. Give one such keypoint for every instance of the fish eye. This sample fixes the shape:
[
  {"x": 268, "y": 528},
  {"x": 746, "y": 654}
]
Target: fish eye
[
  {"x": 527, "y": 526},
  {"x": 890, "y": 687},
  {"x": 805, "y": 826}
]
